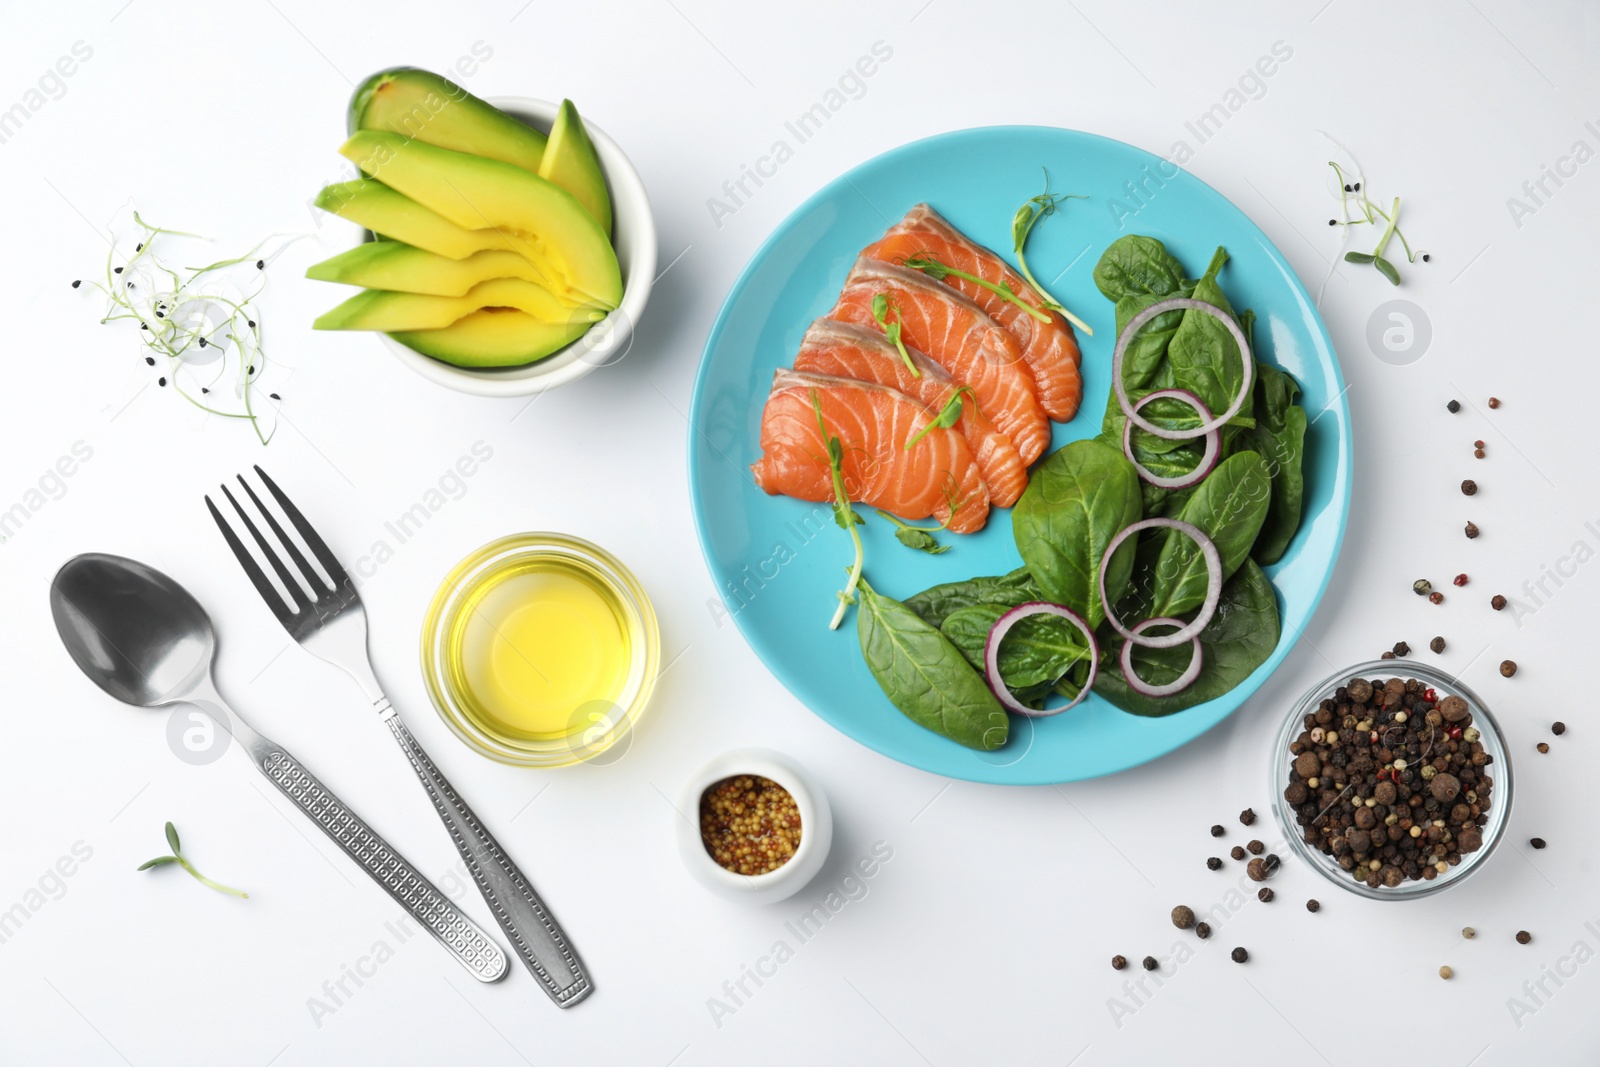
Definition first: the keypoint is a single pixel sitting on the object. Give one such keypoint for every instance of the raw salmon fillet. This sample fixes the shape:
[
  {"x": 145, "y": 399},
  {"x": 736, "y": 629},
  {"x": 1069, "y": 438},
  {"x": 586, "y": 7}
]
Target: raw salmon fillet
[
  {"x": 873, "y": 423},
  {"x": 958, "y": 335},
  {"x": 1050, "y": 348},
  {"x": 845, "y": 350}
]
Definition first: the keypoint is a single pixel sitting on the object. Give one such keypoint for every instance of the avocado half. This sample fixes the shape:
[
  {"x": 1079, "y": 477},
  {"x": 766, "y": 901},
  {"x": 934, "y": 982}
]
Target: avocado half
[{"x": 432, "y": 109}]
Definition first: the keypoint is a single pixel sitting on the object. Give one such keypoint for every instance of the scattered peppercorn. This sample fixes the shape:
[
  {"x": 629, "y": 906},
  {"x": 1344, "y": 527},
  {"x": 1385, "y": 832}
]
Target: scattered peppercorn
[
  {"x": 1494, "y": 401},
  {"x": 1523, "y": 937},
  {"x": 1257, "y": 870},
  {"x": 1436, "y": 597},
  {"x": 1239, "y": 955},
  {"x": 1537, "y": 842},
  {"x": 1237, "y": 852},
  {"x": 1497, "y": 602},
  {"x": 1313, "y": 905},
  {"x": 749, "y": 824},
  {"x": 1387, "y": 655},
  {"x": 1422, "y": 587},
  {"x": 1183, "y": 917},
  {"x": 1217, "y": 830},
  {"x": 1118, "y": 962},
  {"x": 1477, "y": 444},
  {"x": 1202, "y": 930},
  {"x": 1542, "y": 747},
  {"x": 1459, "y": 580},
  {"x": 1453, "y": 407},
  {"x": 1256, "y": 848},
  {"x": 1214, "y": 863},
  {"x": 1477, "y": 453},
  {"x": 1558, "y": 728},
  {"x": 1469, "y": 487},
  {"x": 1437, "y": 644},
  {"x": 1472, "y": 530},
  {"x": 1265, "y": 895},
  {"x": 1445, "y": 973},
  {"x": 1150, "y": 963},
  {"x": 1508, "y": 667},
  {"x": 1468, "y": 932},
  {"x": 1402, "y": 649},
  {"x": 1248, "y": 816}
]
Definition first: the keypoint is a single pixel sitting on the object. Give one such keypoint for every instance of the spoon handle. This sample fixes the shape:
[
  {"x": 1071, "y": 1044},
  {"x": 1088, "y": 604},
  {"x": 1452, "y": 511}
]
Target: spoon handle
[
  {"x": 437, "y": 913},
  {"x": 533, "y": 931}
]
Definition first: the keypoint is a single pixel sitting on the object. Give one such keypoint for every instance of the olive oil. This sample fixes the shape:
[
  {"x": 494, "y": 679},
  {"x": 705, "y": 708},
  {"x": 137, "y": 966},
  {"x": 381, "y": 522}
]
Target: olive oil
[{"x": 540, "y": 650}]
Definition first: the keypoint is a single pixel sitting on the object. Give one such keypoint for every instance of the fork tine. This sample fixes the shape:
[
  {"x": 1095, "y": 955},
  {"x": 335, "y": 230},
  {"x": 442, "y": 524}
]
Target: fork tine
[
  {"x": 301, "y": 601},
  {"x": 318, "y": 546},
  {"x": 273, "y": 598},
  {"x": 318, "y": 586}
]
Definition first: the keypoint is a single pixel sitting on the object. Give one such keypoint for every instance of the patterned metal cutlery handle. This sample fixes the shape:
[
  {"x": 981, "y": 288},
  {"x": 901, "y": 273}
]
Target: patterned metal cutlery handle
[
  {"x": 437, "y": 913},
  {"x": 522, "y": 915}
]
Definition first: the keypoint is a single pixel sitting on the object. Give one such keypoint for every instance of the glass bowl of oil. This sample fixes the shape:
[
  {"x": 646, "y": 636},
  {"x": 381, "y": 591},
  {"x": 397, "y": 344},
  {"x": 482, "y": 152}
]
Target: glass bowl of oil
[{"x": 541, "y": 650}]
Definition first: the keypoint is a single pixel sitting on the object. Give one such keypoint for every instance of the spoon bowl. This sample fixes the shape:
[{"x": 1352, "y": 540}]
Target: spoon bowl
[{"x": 135, "y": 632}]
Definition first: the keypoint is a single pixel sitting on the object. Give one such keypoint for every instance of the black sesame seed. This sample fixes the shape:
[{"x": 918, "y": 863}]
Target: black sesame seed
[
  {"x": 261, "y": 264},
  {"x": 275, "y": 396},
  {"x": 116, "y": 270},
  {"x": 161, "y": 381},
  {"x": 203, "y": 389},
  {"x": 77, "y": 282},
  {"x": 251, "y": 323},
  {"x": 1426, "y": 257},
  {"x": 150, "y": 360}
]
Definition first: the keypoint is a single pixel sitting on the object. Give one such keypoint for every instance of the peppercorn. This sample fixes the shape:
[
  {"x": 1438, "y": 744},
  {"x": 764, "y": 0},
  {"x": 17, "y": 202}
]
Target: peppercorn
[
  {"x": 1477, "y": 453},
  {"x": 1472, "y": 530},
  {"x": 1183, "y": 917},
  {"x": 1523, "y": 937},
  {"x": 1469, "y": 487},
  {"x": 1149, "y": 963},
  {"x": 1445, "y": 973},
  {"x": 1402, "y": 649},
  {"x": 1256, "y": 848},
  {"x": 1537, "y": 842},
  {"x": 1387, "y": 655},
  {"x": 1421, "y": 587},
  {"x": 1542, "y": 747},
  {"x": 1239, "y": 955},
  {"x": 1558, "y": 728},
  {"x": 1237, "y": 852},
  {"x": 1265, "y": 895},
  {"x": 1437, "y": 644},
  {"x": 1217, "y": 830},
  {"x": 1508, "y": 667},
  {"x": 1494, "y": 401},
  {"x": 1257, "y": 870},
  {"x": 1459, "y": 580},
  {"x": 1453, "y": 407},
  {"x": 1436, "y": 598},
  {"x": 1468, "y": 932},
  {"x": 1313, "y": 905},
  {"x": 1202, "y": 930},
  {"x": 1248, "y": 816},
  {"x": 1497, "y": 602},
  {"x": 1118, "y": 962},
  {"x": 1214, "y": 863}
]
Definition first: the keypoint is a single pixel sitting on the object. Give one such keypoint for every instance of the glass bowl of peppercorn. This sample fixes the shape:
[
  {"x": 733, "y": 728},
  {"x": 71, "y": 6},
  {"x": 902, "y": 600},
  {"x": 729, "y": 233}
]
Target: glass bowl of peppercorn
[{"x": 1392, "y": 779}]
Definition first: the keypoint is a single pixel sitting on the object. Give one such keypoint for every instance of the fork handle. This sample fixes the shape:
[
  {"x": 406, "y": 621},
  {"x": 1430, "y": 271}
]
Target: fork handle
[
  {"x": 533, "y": 931},
  {"x": 437, "y": 913}
]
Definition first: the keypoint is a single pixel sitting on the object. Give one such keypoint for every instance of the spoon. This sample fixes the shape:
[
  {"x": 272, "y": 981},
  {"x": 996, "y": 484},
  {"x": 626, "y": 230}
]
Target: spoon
[{"x": 141, "y": 637}]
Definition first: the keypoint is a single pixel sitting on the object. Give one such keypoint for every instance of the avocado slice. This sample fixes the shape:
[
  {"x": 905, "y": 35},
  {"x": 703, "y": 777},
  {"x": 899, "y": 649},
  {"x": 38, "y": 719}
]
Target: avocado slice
[
  {"x": 570, "y": 161},
  {"x": 400, "y": 267},
  {"x": 378, "y": 309},
  {"x": 536, "y": 216},
  {"x": 419, "y": 104},
  {"x": 493, "y": 337}
]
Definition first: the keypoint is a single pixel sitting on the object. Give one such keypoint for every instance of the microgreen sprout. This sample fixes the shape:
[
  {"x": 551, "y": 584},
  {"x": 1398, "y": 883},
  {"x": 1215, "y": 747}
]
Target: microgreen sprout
[
  {"x": 182, "y": 861},
  {"x": 918, "y": 537},
  {"x": 1022, "y": 223},
  {"x": 935, "y": 269},
  {"x": 184, "y": 317},
  {"x": 947, "y": 417},
  {"x": 1370, "y": 214},
  {"x": 882, "y": 307},
  {"x": 843, "y": 513}
]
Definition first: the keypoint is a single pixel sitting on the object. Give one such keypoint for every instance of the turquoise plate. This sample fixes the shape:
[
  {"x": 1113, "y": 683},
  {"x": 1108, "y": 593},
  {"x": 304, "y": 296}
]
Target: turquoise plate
[{"x": 777, "y": 562}]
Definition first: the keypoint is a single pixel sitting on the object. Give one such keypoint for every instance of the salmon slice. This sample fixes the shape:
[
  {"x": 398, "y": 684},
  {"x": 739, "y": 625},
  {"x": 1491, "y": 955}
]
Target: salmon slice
[
  {"x": 955, "y": 333},
  {"x": 1050, "y": 348},
  {"x": 845, "y": 350},
  {"x": 934, "y": 478}
]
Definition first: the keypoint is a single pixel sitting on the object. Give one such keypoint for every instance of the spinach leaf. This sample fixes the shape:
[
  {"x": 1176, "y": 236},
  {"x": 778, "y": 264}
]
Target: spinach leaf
[
  {"x": 1238, "y": 639},
  {"x": 1203, "y": 355},
  {"x": 1135, "y": 265},
  {"x": 1036, "y": 652},
  {"x": 1228, "y": 507},
  {"x": 1078, "y": 499},
  {"x": 1280, "y": 438},
  {"x": 925, "y": 676},
  {"x": 1007, "y": 591},
  {"x": 1144, "y": 365}
]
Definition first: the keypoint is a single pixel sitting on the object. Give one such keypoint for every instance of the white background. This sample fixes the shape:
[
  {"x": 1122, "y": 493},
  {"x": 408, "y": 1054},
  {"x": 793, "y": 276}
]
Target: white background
[{"x": 986, "y": 938}]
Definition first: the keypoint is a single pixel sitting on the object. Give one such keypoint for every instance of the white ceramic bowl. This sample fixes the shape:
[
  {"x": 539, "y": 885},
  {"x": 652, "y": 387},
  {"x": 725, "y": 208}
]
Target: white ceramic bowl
[
  {"x": 816, "y": 828},
  {"x": 634, "y": 237}
]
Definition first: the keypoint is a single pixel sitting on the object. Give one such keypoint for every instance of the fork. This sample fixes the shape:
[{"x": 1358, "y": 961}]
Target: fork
[{"x": 328, "y": 621}]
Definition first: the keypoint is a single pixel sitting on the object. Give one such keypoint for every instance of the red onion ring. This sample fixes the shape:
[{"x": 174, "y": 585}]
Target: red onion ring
[
  {"x": 1003, "y": 625},
  {"x": 1213, "y": 587},
  {"x": 1178, "y": 684},
  {"x": 1137, "y": 323},
  {"x": 1207, "y": 461}
]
